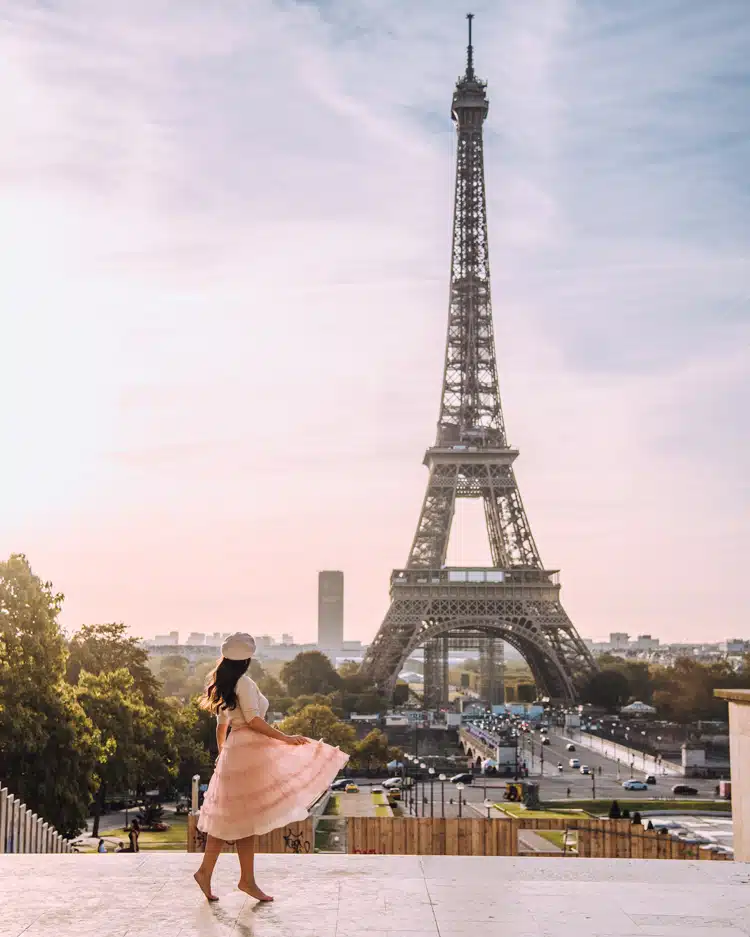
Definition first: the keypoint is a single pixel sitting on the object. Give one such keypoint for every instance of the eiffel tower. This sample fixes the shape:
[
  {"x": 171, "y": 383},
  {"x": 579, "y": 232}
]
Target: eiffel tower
[{"x": 517, "y": 600}]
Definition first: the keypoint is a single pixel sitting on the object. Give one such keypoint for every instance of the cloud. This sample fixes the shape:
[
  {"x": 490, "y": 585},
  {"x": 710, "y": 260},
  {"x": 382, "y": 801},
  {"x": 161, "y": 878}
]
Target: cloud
[{"x": 226, "y": 230}]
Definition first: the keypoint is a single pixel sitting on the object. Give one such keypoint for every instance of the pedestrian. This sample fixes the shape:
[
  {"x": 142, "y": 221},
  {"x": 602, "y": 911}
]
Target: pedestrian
[
  {"x": 263, "y": 779},
  {"x": 568, "y": 792},
  {"x": 101, "y": 847},
  {"x": 133, "y": 835}
]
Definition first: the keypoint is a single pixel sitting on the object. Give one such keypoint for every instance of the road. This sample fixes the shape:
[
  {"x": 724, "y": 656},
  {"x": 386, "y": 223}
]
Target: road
[{"x": 554, "y": 785}]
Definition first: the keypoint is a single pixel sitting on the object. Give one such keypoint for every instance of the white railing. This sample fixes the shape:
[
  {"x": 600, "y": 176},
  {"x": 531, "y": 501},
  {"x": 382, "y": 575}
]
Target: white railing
[{"x": 21, "y": 830}]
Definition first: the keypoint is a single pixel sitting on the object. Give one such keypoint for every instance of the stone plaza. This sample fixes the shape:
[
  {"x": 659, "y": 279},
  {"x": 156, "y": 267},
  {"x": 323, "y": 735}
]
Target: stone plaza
[{"x": 153, "y": 895}]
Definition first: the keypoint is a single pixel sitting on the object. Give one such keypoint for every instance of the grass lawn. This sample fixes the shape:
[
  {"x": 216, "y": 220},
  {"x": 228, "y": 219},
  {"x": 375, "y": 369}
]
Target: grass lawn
[
  {"x": 518, "y": 810},
  {"x": 174, "y": 838},
  {"x": 557, "y": 838},
  {"x": 663, "y": 806},
  {"x": 382, "y": 807}
]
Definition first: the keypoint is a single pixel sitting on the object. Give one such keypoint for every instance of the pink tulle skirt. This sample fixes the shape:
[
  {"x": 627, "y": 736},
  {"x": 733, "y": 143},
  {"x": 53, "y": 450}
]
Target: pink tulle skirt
[{"x": 262, "y": 783}]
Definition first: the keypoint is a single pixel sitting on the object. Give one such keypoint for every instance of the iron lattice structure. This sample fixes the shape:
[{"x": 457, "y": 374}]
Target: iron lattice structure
[{"x": 517, "y": 599}]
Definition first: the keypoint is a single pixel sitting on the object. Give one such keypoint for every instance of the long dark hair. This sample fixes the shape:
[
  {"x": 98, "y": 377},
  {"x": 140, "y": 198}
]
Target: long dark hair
[{"x": 221, "y": 689}]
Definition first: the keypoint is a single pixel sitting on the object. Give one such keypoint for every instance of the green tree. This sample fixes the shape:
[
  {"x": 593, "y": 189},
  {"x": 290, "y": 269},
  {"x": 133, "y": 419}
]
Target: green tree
[
  {"x": 320, "y": 722},
  {"x": 195, "y": 742},
  {"x": 373, "y": 752},
  {"x": 637, "y": 672},
  {"x": 349, "y": 668},
  {"x": 685, "y": 691},
  {"x": 105, "y": 648},
  {"x": 309, "y": 673},
  {"x": 274, "y": 692},
  {"x": 358, "y": 694},
  {"x": 48, "y": 746},
  {"x": 141, "y": 750},
  {"x": 178, "y": 678},
  {"x": 331, "y": 700},
  {"x": 607, "y": 688}
]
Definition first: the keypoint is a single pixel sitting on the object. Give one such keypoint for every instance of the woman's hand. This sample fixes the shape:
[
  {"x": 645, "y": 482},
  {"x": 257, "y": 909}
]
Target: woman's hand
[{"x": 296, "y": 740}]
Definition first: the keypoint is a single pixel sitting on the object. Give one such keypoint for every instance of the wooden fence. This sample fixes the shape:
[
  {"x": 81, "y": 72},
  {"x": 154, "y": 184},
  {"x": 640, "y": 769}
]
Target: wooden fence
[
  {"x": 407, "y": 836},
  {"x": 404, "y": 836},
  {"x": 295, "y": 838},
  {"x": 606, "y": 839}
]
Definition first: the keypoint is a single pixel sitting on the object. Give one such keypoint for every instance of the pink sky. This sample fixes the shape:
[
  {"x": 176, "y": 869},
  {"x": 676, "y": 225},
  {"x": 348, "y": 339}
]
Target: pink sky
[{"x": 225, "y": 231}]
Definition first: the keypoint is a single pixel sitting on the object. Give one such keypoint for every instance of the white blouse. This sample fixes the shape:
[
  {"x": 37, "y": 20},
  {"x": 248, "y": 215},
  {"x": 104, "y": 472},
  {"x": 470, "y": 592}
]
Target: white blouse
[{"x": 250, "y": 703}]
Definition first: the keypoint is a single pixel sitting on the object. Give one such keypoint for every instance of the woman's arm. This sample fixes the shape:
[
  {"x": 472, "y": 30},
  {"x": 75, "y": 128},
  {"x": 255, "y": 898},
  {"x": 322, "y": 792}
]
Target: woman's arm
[
  {"x": 221, "y": 734},
  {"x": 260, "y": 725}
]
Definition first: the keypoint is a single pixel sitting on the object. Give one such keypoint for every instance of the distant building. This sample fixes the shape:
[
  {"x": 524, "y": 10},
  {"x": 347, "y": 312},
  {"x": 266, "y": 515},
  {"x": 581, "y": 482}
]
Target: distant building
[
  {"x": 196, "y": 638},
  {"x": 619, "y": 641},
  {"x": 287, "y": 639},
  {"x": 644, "y": 642},
  {"x": 167, "y": 640},
  {"x": 330, "y": 610},
  {"x": 736, "y": 646}
]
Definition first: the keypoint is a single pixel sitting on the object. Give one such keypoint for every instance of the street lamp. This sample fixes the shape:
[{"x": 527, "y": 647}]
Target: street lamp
[
  {"x": 422, "y": 767},
  {"x": 488, "y": 805},
  {"x": 460, "y": 789},
  {"x": 409, "y": 797},
  {"x": 432, "y": 796},
  {"x": 442, "y": 780}
]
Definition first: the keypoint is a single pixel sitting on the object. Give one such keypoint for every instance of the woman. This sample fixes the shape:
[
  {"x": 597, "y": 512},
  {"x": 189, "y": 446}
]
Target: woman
[
  {"x": 133, "y": 834},
  {"x": 264, "y": 779}
]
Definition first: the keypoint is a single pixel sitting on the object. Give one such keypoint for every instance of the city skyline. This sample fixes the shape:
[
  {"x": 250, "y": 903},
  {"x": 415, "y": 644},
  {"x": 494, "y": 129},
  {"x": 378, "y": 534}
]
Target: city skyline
[{"x": 193, "y": 442}]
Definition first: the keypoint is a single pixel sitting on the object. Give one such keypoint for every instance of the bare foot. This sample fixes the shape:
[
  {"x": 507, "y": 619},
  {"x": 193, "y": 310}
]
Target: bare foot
[
  {"x": 254, "y": 891},
  {"x": 205, "y": 885}
]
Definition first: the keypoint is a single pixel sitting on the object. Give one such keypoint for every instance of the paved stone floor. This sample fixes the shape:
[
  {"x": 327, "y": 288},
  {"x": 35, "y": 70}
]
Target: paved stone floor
[{"x": 153, "y": 895}]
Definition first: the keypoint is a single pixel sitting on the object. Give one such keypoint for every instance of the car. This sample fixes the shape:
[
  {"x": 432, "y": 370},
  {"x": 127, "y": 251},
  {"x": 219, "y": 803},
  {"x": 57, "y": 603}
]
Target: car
[
  {"x": 570, "y": 747},
  {"x": 352, "y": 789},
  {"x": 585, "y": 769},
  {"x": 393, "y": 783},
  {"x": 635, "y": 785},
  {"x": 376, "y": 790},
  {"x": 650, "y": 779},
  {"x": 574, "y": 763},
  {"x": 545, "y": 740},
  {"x": 339, "y": 784},
  {"x": 394, "y": 794},
  {"x": 464, "y": 778},
  {"x": 684, "y": 789}
]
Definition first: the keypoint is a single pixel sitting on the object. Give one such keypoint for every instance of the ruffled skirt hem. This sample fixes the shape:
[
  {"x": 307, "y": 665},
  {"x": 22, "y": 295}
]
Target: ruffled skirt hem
[{"x": 261, "y": 784}]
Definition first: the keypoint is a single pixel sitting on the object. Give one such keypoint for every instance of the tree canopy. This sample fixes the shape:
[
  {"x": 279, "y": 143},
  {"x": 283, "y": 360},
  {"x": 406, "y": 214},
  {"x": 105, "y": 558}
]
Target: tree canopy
[
  {"x": 105, "y": 648},
  {"x": 607, "y": 688},
  {"x": 310, "y": 672},
  {"x": 317, "y": 721},
  {"x": 49, "y": 747}
]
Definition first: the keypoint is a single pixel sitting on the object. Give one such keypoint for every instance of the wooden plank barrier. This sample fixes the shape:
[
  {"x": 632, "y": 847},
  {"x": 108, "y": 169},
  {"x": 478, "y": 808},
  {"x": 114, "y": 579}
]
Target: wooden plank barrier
[
  {"x": 470, "y": 836},
  {"x": 605, "y": 839},
  {"x": 430, "y": 837},
  {"x": 295, "y": 838}
]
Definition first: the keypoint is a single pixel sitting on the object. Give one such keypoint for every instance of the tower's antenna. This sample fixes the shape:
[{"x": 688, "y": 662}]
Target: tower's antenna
[{"x": 470, "y": 52}]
